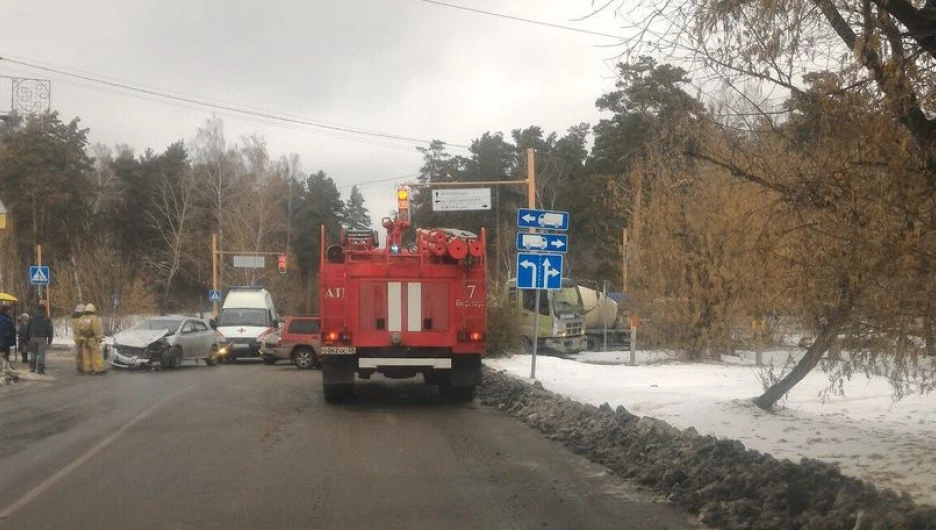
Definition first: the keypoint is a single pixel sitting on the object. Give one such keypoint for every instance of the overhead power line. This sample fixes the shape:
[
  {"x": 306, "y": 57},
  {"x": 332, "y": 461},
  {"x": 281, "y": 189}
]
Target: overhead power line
[
  {"x": 378, "y": 181},
  {"x": 521, "y": 19},
  {"x": 228, "y": 107}
]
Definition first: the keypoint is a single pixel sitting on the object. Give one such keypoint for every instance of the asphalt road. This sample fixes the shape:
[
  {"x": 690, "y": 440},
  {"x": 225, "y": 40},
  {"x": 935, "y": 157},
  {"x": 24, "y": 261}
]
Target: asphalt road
[{"x": 254, "y": 446}]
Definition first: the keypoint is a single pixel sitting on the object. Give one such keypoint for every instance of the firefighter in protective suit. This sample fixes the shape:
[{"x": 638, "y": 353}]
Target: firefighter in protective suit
[
  {"x": 91, "y": 330},
  {"x": 76, "y": 337}
]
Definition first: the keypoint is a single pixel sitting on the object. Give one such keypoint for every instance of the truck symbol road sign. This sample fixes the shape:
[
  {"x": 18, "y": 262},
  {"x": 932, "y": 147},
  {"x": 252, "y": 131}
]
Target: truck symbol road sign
[
  {"x": 39, "y": 274},
  {"x": 542, "y": 242},
  {"x": 546, "y": 219},
  {"x": 539, "y": 271}
]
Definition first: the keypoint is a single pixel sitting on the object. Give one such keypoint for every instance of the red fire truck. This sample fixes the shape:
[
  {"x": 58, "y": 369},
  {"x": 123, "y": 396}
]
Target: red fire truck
[{"x": 403, "y": 310}]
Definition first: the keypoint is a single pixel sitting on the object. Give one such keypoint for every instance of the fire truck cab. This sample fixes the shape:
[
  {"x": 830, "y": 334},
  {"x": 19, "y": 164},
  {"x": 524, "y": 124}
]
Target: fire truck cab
[{"x": 401, "y": 311}]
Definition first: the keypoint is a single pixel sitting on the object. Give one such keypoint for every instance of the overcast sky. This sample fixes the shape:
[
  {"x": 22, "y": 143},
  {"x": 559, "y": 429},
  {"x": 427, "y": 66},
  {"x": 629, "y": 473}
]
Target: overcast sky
[{"x": 404, "y": 67}]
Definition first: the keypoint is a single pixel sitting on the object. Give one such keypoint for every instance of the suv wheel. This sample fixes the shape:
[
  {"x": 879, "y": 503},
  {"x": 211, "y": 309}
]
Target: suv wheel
[{"x": 304, "y": 358}]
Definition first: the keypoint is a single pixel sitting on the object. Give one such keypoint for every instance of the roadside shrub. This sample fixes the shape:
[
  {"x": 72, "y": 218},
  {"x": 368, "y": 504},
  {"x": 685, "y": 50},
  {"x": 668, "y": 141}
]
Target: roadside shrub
[{"x": 503, "y": 328}]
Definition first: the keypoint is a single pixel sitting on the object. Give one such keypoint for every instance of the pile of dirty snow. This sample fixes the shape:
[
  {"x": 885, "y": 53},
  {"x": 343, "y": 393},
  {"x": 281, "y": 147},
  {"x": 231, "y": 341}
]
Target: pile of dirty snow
[
  {"x": 727, "y": 485},
  {"x": 864, "y": 432}
]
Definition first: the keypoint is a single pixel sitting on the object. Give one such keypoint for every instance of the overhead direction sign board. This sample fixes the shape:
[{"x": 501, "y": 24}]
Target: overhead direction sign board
[
  {"x": 249, "y": 262},
  {"x": 539, "y": 271},
  {"x": 542, "y": 242},
  {"x": 461, "y": 199},
  {"x": 543, "y": 219},
  {"x": 39, "y": 274}
]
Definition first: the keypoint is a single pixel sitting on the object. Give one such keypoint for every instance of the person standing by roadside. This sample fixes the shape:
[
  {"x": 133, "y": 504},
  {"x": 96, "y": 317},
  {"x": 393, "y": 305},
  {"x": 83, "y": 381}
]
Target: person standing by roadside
[
  {"x": 7, "y": 332},
  {"x": 76, "y": 337},
  {"x": 22, "y": 336},
  {"x": 91, "y": 330},
  {"x": 41, "y": 333}
]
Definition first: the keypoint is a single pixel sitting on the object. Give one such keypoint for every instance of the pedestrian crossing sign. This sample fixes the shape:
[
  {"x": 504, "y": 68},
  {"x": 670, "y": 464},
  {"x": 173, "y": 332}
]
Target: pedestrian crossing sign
[{"x": 39, "y": 274}]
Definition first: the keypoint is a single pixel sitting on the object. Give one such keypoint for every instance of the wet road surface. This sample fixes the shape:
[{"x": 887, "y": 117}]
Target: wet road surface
[{"x": 254, "y": 446}]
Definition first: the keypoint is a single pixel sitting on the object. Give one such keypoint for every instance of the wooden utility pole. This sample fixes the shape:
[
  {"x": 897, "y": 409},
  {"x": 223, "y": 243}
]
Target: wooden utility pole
[
  {"x": 43, "y": 290},
  {"x": 214, "y": 271},
  {"x": 624, "y": 262}
]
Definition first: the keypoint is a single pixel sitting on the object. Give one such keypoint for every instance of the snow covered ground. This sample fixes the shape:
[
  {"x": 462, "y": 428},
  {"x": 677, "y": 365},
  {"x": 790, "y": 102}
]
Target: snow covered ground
[{"x": 865, "y": 432}]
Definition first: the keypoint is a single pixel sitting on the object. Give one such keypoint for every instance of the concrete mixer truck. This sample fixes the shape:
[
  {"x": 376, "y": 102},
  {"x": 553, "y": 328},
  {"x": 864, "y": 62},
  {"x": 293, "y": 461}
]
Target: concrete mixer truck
[{"x": 604, "y": 316}]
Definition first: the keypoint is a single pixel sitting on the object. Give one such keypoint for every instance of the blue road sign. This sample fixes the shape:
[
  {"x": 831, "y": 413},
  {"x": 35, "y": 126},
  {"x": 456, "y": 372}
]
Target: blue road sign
[
  {"x": 39, "y": 274},
  {"x": 542, "y": 242},
  {"x": 545, "y": 219},
  {"x": 214, "y": 296},
  {"x": 539, "y": 271}
]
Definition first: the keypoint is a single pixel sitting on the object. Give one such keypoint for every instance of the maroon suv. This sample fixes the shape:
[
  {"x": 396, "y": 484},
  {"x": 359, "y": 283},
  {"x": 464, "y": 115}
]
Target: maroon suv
[{"x": 297, "y": 340}]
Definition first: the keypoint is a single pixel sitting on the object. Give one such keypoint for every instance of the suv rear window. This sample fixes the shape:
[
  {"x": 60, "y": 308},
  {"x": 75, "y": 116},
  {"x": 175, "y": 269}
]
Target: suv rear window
[{"x": 303, "y": 327}]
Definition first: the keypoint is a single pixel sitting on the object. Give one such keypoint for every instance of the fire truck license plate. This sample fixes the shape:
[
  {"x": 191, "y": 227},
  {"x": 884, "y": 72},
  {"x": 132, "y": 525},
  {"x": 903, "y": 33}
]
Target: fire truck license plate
[{"x": 338, "y": 350}]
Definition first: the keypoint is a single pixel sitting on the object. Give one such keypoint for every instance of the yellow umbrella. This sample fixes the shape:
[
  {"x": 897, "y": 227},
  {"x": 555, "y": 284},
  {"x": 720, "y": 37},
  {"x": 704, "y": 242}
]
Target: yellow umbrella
[{"x": 4, "y": 297}]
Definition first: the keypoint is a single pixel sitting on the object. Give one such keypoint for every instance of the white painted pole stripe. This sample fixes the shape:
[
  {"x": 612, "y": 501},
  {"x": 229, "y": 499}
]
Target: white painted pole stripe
[
  {"x": 394, "y": 306},
  {"x": 414, "y": 306}
]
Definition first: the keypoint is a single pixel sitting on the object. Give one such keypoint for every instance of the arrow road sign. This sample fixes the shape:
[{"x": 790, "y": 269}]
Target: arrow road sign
[
  {"x": 461, "y": 199},
  {"x": 214, "y": 296},
  {"x": 39, "y": 274},
  {"x": 539, "y": 271},
  {"x": 542, "y": 242},
  {"x": 546, "y": 219}
]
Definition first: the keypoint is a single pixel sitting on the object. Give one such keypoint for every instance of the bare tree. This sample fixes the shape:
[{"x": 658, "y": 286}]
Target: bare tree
[
  {"x": 171, "y": 217},
  {"x": 215, "y": 164}
]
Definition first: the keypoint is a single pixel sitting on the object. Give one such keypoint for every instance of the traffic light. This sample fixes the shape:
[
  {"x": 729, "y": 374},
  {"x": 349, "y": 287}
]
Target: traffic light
[
  {"x": 402, "y": 199},
  {"x": 281, "y": 263}
]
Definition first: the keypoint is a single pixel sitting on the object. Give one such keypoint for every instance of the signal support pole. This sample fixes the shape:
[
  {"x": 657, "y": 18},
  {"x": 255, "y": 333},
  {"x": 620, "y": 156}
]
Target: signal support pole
[
  {"x": 531, "y": 197},
  {"x": 530, "y": 182},
  {"x": 214, "y": 271}
]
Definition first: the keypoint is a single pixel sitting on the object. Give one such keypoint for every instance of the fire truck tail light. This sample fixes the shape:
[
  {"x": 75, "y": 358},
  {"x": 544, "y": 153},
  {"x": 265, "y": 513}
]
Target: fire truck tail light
[
  {"x": 474, "y": 336},
  {"x": 332, "y": 336}
]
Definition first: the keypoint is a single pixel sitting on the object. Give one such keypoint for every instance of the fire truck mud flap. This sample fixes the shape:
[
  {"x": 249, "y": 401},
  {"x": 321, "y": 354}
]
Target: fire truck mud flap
[
  {"x": 460, "y": 382},
  {"x": 338, "y": 378}
]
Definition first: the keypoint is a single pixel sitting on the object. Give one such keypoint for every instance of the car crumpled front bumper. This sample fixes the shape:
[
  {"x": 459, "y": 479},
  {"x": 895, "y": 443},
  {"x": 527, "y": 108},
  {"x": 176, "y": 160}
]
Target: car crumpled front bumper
[{"x": 133, "y": 361}]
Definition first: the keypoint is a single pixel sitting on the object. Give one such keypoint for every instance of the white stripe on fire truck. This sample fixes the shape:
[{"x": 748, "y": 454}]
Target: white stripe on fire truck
[
  {"x": 414, "y": 306},
  {"x": 394, "y": 306}
]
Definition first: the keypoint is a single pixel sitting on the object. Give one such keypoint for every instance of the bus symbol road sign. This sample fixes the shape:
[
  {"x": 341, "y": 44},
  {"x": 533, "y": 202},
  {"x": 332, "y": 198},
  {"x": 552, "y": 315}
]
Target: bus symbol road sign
[
  {"x": 539, "y": 271},
  {"x": 542, "y": 242},
  {"x": 39, "y": 274},
  {"x": 545, "y": 219}
]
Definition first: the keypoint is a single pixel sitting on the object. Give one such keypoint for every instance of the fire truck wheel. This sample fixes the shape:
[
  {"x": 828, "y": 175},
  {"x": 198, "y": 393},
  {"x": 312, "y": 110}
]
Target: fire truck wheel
[
  {"x": 338, "y": 379},
  {"x": 334, "y": 393},
  {"x": 460, "y": 394}
]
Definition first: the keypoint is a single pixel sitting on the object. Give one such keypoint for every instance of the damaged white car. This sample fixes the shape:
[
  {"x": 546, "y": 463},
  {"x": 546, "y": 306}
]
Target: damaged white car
[{"x": 164, "y": 342}]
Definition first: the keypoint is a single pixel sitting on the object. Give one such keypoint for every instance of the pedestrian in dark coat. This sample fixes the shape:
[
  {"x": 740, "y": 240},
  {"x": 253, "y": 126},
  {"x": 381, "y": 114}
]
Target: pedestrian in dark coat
[
  {"x": 7, "y": 332},
  {"x": 40, "y": 336},
  {"x": 22, "y": 335}
]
